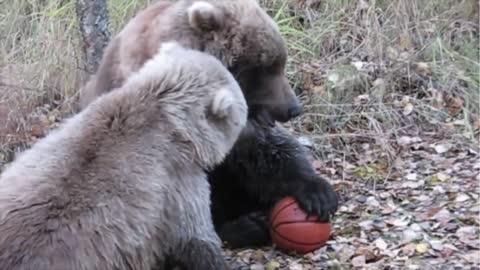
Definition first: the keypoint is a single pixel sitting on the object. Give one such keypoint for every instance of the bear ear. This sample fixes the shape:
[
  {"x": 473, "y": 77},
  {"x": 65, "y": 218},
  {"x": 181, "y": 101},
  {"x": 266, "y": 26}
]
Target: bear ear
[
  {"x": 205, "y": 17},
  {"x": 222, "y": 102}
]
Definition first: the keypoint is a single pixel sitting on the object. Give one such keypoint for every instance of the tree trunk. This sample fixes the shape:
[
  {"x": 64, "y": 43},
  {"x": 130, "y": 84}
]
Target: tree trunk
[{"x": 93, "y": 20}]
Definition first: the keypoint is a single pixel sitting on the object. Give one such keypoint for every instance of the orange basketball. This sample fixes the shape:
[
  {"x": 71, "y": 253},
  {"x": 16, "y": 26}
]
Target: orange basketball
[{"x": 292, "y": 231}]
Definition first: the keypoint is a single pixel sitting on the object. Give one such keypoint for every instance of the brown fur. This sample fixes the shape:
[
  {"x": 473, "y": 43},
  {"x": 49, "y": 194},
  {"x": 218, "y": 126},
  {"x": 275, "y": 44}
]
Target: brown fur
[
  {"x": 121, "y": 185},
  {"x": 237, "y": 32}
]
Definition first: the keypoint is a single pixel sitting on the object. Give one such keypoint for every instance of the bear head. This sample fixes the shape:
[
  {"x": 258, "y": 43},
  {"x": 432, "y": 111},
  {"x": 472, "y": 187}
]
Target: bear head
[
  {"x": 239, "y": 33},
  {"x": 247, "y": 40},
  {"x": 202, "y": 102}
]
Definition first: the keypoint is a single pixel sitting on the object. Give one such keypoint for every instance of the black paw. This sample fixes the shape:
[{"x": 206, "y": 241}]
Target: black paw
[
  {"x": 317, "y": 198},
  {"x": 247, "y": 231}
]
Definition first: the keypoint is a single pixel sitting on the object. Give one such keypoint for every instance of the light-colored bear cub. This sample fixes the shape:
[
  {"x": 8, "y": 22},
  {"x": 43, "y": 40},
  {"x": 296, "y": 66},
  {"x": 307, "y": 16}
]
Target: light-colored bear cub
[{"x": 121, "y": 185}]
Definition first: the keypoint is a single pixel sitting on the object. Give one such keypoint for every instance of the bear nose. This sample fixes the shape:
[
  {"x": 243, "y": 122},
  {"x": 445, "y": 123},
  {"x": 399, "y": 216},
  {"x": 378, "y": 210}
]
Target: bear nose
[{"x": 294, "y": 111}]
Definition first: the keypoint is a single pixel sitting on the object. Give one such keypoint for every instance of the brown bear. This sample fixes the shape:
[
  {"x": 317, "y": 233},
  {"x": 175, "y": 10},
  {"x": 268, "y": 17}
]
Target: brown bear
[
  {"x": 122, "y": 184},
  {"x": 266, "y": 163},
  {"x": 239, "y": 33}
]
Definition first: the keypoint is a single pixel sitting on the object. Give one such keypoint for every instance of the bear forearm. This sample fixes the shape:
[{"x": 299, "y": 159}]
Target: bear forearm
[
  {"x": 202, "y": 255},
  {"x": 274, "y": 165}
]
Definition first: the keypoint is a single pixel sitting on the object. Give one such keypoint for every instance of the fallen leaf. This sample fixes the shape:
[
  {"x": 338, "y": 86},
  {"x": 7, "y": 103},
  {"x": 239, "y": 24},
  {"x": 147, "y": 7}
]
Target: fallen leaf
[
  {"x": 371, "y": 201},
  {"x": 421, "y": 248},
  {"x": 257, "y": 266},
  {"x": 388, "y": 210},
  {"x": 405, "y": 41},
  {"x": 423, "y": 68},
  {"x": 272, "y": 265},
  {"x": 358, "y": 65},
  {"x": 476, "y": 125},
  {"x": 447, "y": 251},
  {"x": 392, "y": 53},
  {"x": 436, "y": 245},
  {"x": 454, "y": 105},
  {"x": 441, "y": 148},
  {"x": 381, "y": 244},
  {"x": 319, "y": 90},
  {"x": 441, "y": 176},
  {"x": 469, "y": 236},
  {"x": 408, "y": 109},
  {"x": 467, "y": 232},
  {"x": 452, "y": 247},
  {"x": 305, "y": 141},
  {"x": 359, "y": 261},
  {"x": 413, "y": 184},
  {"x": 405, "y": 101},
  {"x": 333, "y": 77},
  {"x": 423, "y": 198},
  {"x": 404, "y": 140},
  {"x": 295, "y": 266},
  {"x": 318, "y": 165},
  {"x": 361, "y": 99},
  {"x": 366, "y": 225},
  {"x": 462, "y": 197},
  {"x": 384, "y": 195},
  {"x": 399, "y": 222},
  {"x": 258, "y": 255},
  {"x": 442, "y": 216},
  {"x": 439, "y": 190},
  {"x": 366, "y": 252},
  {"x": 345, "y": 253},
  {"x": 408, "y": 249},
  {"x": 411, "y": 176},
  {"x": 416, "y": 227},
  {"x": 472, "y": 257},
  {"x": 409, "y": 235}
]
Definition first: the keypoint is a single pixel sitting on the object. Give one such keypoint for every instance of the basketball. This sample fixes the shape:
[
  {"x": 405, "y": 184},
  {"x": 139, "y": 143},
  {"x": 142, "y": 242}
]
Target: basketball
[{"x": 292, "y": 231}]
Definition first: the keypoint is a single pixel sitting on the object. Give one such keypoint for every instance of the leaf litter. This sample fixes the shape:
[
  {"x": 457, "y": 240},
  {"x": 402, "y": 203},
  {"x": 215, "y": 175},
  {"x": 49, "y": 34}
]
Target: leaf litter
[{"x": 424, "y": 216}]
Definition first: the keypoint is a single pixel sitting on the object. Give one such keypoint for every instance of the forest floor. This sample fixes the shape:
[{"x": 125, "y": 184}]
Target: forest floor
[{"x": 422, "y": 215}]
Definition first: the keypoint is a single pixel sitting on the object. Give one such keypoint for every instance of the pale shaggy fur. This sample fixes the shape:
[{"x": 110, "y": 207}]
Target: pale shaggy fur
[{"x": 121, "y": 185}]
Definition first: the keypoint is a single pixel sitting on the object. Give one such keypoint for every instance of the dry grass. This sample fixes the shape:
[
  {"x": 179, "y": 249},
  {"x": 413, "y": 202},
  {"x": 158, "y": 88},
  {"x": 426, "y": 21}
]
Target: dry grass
[
  {"x": 368, "y": 71},
  {"x": 41, "y": 66},
  {"x": 371, "y": 71}
]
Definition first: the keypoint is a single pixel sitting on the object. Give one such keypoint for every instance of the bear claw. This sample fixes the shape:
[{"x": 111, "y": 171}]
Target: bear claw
[{"x": 319, "y": 199}]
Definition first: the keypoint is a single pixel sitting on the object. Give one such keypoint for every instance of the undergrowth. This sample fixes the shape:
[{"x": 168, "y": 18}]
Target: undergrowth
[{"x": 372, "y": 71}]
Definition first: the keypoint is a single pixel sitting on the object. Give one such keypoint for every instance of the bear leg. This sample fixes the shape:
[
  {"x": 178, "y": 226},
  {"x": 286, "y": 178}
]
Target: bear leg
[
  {"x": 259, "y": 171},
  {"x": 250, "y": 230},
  {"x": 199, "y": 254}
]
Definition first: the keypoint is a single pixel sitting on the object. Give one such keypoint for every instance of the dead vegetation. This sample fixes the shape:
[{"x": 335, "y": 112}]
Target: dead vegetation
[
  {"x": 376, "y": 76},
  {"x": 373, "y": 70}
]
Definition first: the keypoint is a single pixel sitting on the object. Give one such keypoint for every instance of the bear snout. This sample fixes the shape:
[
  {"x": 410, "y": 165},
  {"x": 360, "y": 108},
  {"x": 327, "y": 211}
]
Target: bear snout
[{"x": 294, "y": 111}]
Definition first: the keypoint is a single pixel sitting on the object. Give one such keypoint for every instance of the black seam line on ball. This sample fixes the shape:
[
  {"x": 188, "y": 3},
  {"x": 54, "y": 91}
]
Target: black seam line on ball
[{"x": 280, "y": 210}]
